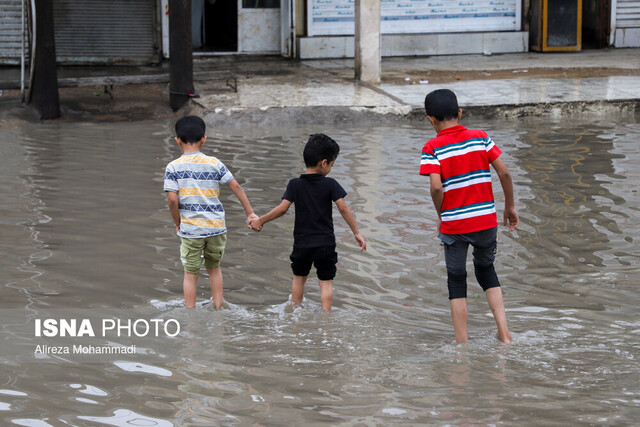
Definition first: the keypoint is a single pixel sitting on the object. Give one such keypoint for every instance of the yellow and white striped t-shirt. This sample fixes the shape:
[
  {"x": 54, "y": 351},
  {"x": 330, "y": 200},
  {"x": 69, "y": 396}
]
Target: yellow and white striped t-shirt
[{"x": 196, "y": 178}]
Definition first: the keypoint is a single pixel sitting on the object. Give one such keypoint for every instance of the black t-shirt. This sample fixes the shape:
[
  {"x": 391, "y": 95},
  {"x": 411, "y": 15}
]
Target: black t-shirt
[{"x": 313, "y": 195}]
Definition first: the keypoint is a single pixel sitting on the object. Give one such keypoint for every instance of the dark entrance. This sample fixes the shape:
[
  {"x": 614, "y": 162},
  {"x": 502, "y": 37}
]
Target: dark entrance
[
  {"x": 214, "y": 25},
  {"x": 596, "y": 16}
]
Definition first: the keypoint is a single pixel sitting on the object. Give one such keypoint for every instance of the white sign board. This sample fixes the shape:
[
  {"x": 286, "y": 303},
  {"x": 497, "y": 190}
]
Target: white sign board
[{"x": 336, "y": 17}]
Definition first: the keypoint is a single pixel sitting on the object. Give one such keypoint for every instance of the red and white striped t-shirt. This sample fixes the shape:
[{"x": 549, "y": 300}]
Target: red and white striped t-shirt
[{"x": 462, "y": 157}]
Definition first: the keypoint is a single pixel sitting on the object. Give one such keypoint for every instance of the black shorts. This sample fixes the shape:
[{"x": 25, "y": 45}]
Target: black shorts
[
  {"x": 324, "y": 258},
  {"x": 456, "y": 247}
]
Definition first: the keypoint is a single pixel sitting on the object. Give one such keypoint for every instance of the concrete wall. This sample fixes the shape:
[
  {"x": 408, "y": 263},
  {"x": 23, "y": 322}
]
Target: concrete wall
[
  {"x": 418, "y": 44},
  {"x": 627, "y": 37}
]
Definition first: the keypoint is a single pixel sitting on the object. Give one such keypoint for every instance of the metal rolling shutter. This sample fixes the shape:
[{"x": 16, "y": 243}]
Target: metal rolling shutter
[
  {"x": 627, "y": 26},
  {"x": 11, "y": 32},
  {"x": 106, "y": 31}
]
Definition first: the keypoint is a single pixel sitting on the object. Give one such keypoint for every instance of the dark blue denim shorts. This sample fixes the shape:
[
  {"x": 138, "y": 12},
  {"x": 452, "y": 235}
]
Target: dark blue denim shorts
[{"x": 456, "y": 247}]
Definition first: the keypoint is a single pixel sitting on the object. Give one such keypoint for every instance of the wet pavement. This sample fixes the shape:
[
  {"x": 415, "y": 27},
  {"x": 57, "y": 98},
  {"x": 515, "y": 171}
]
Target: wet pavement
[
  {"x": 526, "y": 91},
  {"x": 530, "y": 78},
  {"x": 525, "y": 84},
  {"x": 325, "y": 90}
]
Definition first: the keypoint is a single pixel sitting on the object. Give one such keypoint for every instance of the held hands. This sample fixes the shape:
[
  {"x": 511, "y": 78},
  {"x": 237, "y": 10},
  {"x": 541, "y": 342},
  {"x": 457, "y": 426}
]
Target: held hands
[
  {"x": 254, "y": 223},
  {"x": 511, "y": 218}
]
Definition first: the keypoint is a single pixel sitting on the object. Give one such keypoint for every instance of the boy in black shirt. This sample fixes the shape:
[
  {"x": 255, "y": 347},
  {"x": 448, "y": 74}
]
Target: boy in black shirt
[{"x": 314, "y": 241}]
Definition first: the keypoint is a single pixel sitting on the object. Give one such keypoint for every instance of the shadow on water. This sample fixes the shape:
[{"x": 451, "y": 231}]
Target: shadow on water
[{"x": 85, "y": 226}]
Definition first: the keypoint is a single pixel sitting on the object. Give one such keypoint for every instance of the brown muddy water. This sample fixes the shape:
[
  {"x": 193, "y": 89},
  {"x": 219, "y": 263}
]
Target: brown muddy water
[{"x": 86, "y": 234}]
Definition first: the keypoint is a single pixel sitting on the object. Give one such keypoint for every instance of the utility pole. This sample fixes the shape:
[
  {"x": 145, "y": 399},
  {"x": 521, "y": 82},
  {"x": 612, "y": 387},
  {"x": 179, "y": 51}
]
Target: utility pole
[
  {"x": 181, "y": 60},
  {"x": 367, "y": 41},
  {"x": 43, "y": 90}
]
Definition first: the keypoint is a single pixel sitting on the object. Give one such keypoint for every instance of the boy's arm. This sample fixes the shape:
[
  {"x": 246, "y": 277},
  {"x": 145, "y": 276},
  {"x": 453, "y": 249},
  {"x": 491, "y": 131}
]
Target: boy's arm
[
  {"x": 172, "y": 201},
  {"x": 437, "y": 195},
  {"x": 242, "y": 197},
  {"x": 351, "y": 221},
  {"x": 510, "y": 214},
  {"x": 257, "y": 223}
]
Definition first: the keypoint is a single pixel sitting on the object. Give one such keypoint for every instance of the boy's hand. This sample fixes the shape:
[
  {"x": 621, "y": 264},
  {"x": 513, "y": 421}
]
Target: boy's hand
[
  {"x": 511, "y": 218},
  {"x": 177, "y": 229},
  {"x": 361, "y": 242},
  {"x": 254, "y": 223}
]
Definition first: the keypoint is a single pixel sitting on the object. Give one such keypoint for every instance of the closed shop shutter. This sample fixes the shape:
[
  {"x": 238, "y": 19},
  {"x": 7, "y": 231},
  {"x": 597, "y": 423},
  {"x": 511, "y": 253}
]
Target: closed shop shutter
[
  {"x": 627, "y": 25},
  {"x": 106, "y": 31},
  {"x": 11, "y": 32}
]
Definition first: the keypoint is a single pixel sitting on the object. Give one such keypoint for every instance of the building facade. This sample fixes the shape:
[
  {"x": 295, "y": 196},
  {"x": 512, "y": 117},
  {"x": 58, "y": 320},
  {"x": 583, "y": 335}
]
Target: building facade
[
  {"x": 136, "y": 31},
  {"x": 418, "y": 27}
]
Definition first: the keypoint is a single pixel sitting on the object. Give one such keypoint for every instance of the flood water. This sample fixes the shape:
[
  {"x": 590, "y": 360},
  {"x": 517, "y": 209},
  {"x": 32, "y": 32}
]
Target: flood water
[{"x": 85, "y": 227}]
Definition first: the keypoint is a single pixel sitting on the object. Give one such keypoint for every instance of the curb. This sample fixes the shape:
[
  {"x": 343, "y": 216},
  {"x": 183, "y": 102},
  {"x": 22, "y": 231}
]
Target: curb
[{"x": 336, "y": 115}]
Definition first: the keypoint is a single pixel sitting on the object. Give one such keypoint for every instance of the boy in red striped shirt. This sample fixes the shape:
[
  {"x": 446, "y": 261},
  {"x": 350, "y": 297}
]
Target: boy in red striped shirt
[{"x": 457, "y": 162}]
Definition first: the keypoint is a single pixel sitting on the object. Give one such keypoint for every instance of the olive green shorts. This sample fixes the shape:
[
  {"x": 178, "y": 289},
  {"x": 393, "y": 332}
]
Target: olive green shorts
[{"x": 193, "y": 250}]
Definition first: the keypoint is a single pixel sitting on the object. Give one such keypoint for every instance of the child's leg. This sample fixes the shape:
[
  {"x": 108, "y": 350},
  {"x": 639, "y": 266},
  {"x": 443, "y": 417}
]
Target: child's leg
[
  {"x": 215, "y": 281},
  {"x": 190, "y": 250},
  {"x": 301, "y": 261},
  {"x": 325, "y": 261},
  {"x": 326, "y": 293},
  {"x": 189, "y": 285},
  {"x": 494, "y": 297},
  {"x": 213, "y": 252},
  {"x": 459, "y": 317},
  {"x": 455, "y": 255},
  {"x": 484, "y": 253},
  {"x": 297, "y": 289}
]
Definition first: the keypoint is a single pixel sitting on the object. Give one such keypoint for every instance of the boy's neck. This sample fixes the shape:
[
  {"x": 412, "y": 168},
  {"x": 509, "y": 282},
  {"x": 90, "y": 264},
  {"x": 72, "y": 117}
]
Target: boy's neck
[
  {"x": 323, "y": 167},
  {"x": 312, "y": 170},
  {"x": 190, "y": 148},
  {"x": 440, "y": 126}
]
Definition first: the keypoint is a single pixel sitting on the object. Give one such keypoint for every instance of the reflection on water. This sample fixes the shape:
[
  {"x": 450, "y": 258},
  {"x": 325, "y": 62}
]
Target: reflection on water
[{"x": 85, "y": 225}]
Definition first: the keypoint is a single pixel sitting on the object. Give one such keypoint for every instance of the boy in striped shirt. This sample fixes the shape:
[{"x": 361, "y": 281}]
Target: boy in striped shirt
[
  {"x": 192, "y": 183},
  {"x": 457, "y": 162}
]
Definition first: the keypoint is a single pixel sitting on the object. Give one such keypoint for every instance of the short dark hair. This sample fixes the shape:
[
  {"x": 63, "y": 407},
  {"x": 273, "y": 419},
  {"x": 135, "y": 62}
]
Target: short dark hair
[
  {"x": 190, "y": 129},
  {"x": 441, "y": 104},
  {"x": 320, "y": 147}
]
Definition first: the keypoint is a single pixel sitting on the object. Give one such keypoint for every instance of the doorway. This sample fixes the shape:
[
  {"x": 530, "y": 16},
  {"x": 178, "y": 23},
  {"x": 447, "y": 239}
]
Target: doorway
[
  {"x": 596, "y": 18},
  {"x": 214, "y": 26}
]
